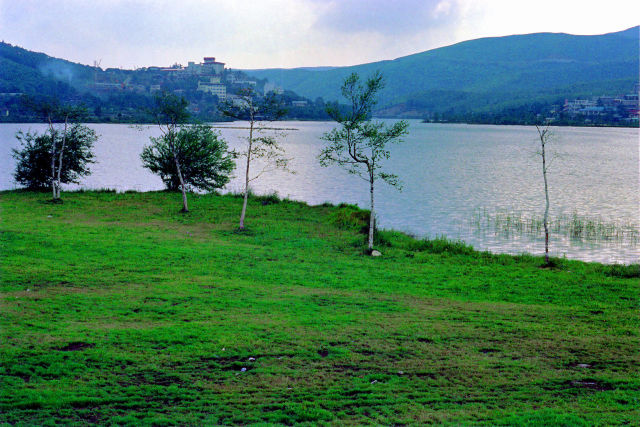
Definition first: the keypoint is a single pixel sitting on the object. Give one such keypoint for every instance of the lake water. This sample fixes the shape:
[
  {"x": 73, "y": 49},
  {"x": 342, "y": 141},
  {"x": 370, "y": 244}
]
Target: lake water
[{"x": 457, "y": 180}]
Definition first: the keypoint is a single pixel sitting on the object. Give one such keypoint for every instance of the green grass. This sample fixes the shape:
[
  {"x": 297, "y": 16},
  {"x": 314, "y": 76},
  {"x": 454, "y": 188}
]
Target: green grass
[{"x": 117, "y": 309}]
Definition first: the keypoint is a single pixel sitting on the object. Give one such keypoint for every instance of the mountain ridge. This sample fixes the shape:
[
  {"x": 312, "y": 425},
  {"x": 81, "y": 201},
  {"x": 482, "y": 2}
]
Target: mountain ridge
[
  {"x": 629, "y": 32},
  {"x": 534, "y": 67}
]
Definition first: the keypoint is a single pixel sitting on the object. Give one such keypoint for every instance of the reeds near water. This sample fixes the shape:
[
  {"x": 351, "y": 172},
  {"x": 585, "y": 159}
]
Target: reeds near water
[{"x": 579, "y": 228}]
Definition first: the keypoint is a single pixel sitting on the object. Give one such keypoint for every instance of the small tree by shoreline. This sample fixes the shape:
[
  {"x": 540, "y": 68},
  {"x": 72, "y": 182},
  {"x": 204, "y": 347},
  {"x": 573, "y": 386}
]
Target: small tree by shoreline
[
  {"x": 545, "y": 135},
  {"x": 170, "y": 113},
  {"x": 205, "y": 163},
  {"x": 257, "y": 110},
  {"x": 61, "y": 154},
  {"x": 66, "y": 147},
  {"x": 358, "y": 144}
]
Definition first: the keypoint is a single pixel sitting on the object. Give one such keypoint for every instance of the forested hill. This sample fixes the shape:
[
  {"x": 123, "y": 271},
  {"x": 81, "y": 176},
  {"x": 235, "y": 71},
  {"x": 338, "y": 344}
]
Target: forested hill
[
  {"x": 487, "y": 74},
  {"x": 117, "y": 95},
  {"x": 38, "y": 75},
  {"x": 24, "y": 71}
]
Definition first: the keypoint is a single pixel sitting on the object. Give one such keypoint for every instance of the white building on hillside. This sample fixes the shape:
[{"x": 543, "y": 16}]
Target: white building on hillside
[
  {"x": 211, "y": 67},
  {"x": 214, "y": 87}
]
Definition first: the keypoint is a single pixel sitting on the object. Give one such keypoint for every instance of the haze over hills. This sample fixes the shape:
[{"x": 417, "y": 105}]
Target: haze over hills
[{"x": 487, "y": 74}]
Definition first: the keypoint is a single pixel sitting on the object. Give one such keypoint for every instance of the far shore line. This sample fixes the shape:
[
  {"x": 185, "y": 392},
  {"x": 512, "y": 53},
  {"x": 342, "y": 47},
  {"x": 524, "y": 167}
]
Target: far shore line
[{"x": 218, "y": 125}]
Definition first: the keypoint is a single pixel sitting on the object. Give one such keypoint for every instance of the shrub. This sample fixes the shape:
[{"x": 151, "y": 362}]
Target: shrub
[
  {"x": 33, "y": 160},
  {"x": 269, "y": 199},
  {"x": 442, "y": 245},
  {"x": 350, "y": 217},
  {"x": 619, "y": 270},
  {"x": 204, "y": 161}
]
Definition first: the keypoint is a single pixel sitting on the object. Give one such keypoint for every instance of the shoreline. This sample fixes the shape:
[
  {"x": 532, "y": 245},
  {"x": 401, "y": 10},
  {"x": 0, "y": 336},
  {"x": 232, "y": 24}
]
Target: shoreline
[
  {"x": 133, "y": 123},
  {"x": 270, "y": 197}
]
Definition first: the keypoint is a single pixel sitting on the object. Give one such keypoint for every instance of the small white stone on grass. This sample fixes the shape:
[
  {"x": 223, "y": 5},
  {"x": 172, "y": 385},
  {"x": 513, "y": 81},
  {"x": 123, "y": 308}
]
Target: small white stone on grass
[
  {"x": 376, "y": 253},
  {"x": 243, "y": 370}
]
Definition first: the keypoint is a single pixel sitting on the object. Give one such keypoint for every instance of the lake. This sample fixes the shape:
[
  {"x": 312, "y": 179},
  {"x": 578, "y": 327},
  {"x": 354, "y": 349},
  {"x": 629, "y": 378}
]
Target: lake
[{"x": 481, "y": 184}]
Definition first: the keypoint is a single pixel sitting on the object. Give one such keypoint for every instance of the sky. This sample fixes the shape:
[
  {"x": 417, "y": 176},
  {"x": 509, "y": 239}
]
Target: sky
[{"x": 286, "y": 33}]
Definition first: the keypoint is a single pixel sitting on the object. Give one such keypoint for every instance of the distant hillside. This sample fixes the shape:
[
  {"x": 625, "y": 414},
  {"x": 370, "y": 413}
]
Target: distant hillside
[
  {"x": 37, "y": 75},
  {"x": 23, "y": 71},
  {"x": 116, "y": 95},
  {"x": 485, "y": 75}
]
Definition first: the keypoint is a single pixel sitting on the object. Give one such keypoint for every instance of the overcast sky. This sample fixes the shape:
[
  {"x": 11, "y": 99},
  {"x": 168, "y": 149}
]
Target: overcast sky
[{"x": 286, "y": 33}]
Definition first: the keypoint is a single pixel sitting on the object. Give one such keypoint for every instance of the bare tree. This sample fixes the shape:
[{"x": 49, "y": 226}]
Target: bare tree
[
  {"x": 262, "y": 143},
  {"x": 545, "y": 135},
  {"x": 358, "y": 144},
  {"x": 170, "y": 112}
]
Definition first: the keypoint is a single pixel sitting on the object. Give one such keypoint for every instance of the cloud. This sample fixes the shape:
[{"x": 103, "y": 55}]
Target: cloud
[
  {"x": 284, "y": 33},
  {"x": 138, "y": 32},
  {"x": 398, "y": 17}
]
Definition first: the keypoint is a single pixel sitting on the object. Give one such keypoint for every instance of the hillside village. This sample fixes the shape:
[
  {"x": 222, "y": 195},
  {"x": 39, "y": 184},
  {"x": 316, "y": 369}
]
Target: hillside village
[
  {"x": 603, "y": 110},
  {"x": 618, "y": 108},
  {"x": 204, "y": 84},
  {"x": 120, "y": 95},
  {"x": 209, "y": 77}
]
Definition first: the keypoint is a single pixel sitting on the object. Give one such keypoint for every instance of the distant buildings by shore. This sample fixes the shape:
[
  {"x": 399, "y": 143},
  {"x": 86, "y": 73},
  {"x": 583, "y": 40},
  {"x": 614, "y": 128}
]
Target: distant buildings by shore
[
  {"x": 211, "y": 77},
  {"x": 621, "y": 107}
]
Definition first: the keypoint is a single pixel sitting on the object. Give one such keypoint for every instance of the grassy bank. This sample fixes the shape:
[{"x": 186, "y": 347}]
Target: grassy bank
[{"x": 118, "y": 309}]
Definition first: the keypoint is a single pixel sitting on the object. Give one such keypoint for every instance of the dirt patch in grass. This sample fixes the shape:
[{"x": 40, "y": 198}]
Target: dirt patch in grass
[
  {"x": 231, "y": 363},
  {"x": 89, "y": 417},
  {"x": 589, "y": 384},
  {"x": 151, "y": 378},
  {"x": 76, "y": 346},
  {"x": 584, "y": 384},
  {"x": 343, "y": 367},
  {"x": 600, "y": 365}
]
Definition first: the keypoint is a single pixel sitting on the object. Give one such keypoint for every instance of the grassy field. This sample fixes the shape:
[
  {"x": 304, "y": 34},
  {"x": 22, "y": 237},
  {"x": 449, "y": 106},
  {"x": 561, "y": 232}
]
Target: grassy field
[{"x": 117, "y": 309}]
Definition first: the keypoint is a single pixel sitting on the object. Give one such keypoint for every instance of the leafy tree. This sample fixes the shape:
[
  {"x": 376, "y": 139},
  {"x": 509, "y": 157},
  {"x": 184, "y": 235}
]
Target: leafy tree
[
  {"x": 358, "y": 144},
  {"x": 34, "y": 160},
  {"x": 171, "y": 112},
  {"x": 260, "y": 145},
  {"x": 61, "y": 118},
  {"x": 202, "y": 155}
]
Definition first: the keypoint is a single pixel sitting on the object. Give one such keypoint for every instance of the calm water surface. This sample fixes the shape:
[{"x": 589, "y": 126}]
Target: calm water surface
[{"x": 450, "y": 173}]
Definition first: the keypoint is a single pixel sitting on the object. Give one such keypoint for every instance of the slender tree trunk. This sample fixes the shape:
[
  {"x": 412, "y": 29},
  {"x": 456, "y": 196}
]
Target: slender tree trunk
[
  {"x": 546, "y": 209},
  {"x": 246, "y": 179},
  {"x": 372, "y": 216},
  {"x": 185, "y": 206},
  {"x": 53, "y": 159},
  {"x": 64, "y": 143}
]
